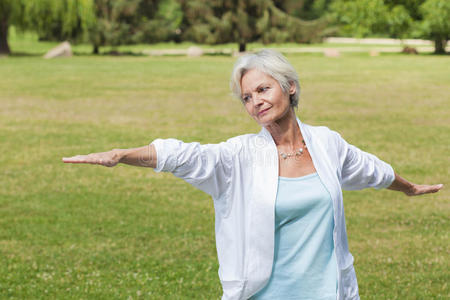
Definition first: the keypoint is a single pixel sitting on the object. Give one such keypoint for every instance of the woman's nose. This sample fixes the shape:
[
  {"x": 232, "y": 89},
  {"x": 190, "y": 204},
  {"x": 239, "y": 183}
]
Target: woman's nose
[{"x": 257, "y": 100}]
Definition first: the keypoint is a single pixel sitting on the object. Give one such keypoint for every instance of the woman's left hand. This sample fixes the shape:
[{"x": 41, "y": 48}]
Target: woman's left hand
[
  {"x": 417, "y": 189},
  {"x": 411, "y": 189}
]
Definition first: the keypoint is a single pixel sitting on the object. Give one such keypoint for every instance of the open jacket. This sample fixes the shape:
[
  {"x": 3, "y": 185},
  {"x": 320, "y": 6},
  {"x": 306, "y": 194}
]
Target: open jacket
[{"x": 241, "y": 175}]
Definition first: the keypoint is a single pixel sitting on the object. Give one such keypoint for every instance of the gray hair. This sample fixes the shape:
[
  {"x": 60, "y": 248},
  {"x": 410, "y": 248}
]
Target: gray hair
[{"x": 271, "y": 63}]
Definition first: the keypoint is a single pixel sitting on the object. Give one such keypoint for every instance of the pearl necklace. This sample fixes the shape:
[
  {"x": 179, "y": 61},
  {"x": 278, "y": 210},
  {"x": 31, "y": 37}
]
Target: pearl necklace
[{"x": 296, "y": 153}]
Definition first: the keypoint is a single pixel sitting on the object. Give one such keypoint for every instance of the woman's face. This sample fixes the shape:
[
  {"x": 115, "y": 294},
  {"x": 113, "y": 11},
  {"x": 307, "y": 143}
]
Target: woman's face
[{"x": 263, "y": 97}]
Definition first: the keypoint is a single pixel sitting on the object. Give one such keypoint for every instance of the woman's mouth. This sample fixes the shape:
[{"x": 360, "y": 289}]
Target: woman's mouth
[{"x": 263, "y": 111}]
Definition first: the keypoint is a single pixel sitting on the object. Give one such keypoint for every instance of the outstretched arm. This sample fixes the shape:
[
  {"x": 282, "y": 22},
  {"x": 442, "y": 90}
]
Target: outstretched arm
[
  {"x": 361, "y": 170},
  {"x": 411, "y": 189},
  {"x": 141, "y": 157},
  {"x": 207, "y": 167}
]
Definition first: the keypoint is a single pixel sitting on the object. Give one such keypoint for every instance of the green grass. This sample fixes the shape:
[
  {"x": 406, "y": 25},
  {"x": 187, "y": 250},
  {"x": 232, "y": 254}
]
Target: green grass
[{"x": 90, "y": 232}]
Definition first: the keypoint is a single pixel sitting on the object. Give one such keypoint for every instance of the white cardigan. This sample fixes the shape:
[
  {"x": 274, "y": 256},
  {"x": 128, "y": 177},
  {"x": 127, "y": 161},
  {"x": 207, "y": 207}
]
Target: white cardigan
[{"x": 241, "y": 175}]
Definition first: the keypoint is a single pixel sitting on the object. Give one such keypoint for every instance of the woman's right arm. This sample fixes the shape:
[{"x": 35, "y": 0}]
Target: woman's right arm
[
  {"x": 141, "y": 157},
  {"x": 207, "y": 167}
]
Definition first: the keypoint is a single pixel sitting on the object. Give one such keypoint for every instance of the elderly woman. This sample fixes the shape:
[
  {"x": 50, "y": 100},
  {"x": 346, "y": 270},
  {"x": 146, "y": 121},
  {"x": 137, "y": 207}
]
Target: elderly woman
[{"x": 279, "y": 214}]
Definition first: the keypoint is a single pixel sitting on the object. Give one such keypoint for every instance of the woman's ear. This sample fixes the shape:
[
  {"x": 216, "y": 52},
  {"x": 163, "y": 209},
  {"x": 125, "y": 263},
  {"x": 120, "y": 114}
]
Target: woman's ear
[{"x": 292, "y": 88}]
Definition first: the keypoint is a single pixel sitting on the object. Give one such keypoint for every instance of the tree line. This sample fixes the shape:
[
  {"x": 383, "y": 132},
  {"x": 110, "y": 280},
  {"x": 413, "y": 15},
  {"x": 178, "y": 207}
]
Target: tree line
[{"x": 117, "y": 22}]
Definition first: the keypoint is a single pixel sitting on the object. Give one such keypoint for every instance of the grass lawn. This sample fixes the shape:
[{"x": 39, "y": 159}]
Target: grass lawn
[{"x": 90, "y": 232}]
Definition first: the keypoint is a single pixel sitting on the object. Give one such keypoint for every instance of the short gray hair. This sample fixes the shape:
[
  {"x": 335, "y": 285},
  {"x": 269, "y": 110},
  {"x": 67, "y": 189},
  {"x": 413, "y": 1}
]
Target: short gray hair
[{"x": 271, "y": 63}]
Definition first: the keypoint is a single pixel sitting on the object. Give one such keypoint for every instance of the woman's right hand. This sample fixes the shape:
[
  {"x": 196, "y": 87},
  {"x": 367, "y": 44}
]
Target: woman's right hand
[{"x": 107, "y": 159}]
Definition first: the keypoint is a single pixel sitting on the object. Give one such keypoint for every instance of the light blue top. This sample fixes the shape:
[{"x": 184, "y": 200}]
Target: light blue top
[{"x": 304, "y": 264}]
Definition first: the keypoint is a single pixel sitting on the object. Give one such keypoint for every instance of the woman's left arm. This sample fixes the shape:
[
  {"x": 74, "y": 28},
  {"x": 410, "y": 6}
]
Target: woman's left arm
[
  {"x": 411, "y": 189},
  {"x": 360, "y": 170}
]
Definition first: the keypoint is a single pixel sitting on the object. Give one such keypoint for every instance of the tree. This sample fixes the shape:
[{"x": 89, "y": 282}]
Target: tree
[
  {"x": 360, "y": 18},
  {"x": 132, "y": 21},
  {"x": 11, "y": 11},
  {"x": 243, "y": 21},
  {"x": 278, "y": 26},
  {"x": 399, "y": 22},
  {"x": 51, "y": 19},
  {"x": 216, "y": 21},
  {"x": 101, "y": 22},
  {"x": 61, "y": 19},
  {"x": 436, "y": 22},
  {"x": 304, "y": 9},
  {"x": 364, "y": 18},
  {"x": 395, "y": 18}
]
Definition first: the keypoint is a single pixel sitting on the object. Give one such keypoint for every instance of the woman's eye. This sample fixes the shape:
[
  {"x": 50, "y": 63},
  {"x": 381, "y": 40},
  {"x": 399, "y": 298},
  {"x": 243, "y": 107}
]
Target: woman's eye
[
  {"x": 245, "y": 98},
  {"x": 263, "y": 89}
]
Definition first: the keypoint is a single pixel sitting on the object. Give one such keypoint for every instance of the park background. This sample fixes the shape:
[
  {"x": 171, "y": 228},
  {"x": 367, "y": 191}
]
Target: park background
[{"x": 90, "y": 232}]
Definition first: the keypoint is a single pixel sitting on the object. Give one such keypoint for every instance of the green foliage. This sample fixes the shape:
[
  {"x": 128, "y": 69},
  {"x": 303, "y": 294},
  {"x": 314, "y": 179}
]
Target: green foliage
[
  {"x": 242, "y": 22},
  {"x": 170, "y": 10},
  {"x": 360, "y": 18},
  {"x": 138, "y": 21},
  {"x": 412, "y": 6},
  {"x": 304, "y": 9},
  {"x": 279, "y": 27},
  {"x": 51, "y": 19},
  {"x": 218, "y": 21},
  {"x": 11, "y": 12},
  {"x": 165, "y": 24},
  {"x": 436, "y": 22},
  {"x": 101, "y": 22},
  {"x": 61, "y": 20},
  {"x": 115, "y": 20},
  {"x": 399, "y": 22},
  {"x": 119, "y": 22},
  {"x": 394, "y": 18}
]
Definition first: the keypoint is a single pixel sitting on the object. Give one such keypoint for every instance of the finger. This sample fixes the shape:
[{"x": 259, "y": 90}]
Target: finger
[
  {"x": 436, "y": 188},
  {"x": 93, "y": 158},
  {"x": 426, "y": 189},
  {"x": 74, "y": 159},
  {"x": 80, "y": 159}
]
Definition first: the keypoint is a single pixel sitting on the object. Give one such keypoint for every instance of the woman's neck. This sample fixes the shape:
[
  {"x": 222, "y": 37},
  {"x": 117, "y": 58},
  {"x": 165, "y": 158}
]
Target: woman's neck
[{"x": 286, "y": 132}]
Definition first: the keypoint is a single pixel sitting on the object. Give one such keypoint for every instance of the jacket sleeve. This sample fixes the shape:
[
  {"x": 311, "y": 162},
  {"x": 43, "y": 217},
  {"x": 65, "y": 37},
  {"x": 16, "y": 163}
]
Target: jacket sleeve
[
  {"x": 207, "y": 167},
  {"x": 360, "y": 169}
]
